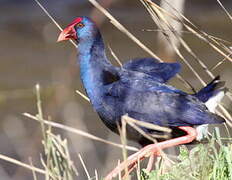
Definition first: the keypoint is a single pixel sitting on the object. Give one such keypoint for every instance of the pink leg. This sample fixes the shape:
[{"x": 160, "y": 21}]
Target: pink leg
[{"x": 152, "y": 149}]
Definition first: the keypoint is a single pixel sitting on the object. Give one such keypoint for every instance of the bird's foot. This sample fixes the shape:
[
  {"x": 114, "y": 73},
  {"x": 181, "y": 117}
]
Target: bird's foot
[{"x": 152, "y": 150}]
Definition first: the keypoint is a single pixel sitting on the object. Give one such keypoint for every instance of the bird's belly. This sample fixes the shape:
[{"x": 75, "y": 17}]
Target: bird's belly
[{"x": 114, "y": 122}]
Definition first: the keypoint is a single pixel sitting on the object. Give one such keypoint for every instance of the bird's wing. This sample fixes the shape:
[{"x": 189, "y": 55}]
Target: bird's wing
[
  {"x": 161, "y": 72},
  {"x": 159, "y": 104}
]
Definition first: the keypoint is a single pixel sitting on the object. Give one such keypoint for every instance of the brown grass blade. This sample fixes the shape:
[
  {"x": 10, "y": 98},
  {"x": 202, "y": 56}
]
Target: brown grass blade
[
  {"x": 14, "y": 161},
  {"x": 122, "y": 28},
  {"x": 79, "y": 132},
  {"x": 224, "y": 9}
]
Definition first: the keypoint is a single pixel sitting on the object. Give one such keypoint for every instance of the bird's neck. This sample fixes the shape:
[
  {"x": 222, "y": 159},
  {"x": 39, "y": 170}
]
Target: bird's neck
[{"x": 92, "y": 63}]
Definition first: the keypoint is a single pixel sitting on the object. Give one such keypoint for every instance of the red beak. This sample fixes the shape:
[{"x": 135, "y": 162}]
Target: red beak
[{"x": 68, "y": 33}]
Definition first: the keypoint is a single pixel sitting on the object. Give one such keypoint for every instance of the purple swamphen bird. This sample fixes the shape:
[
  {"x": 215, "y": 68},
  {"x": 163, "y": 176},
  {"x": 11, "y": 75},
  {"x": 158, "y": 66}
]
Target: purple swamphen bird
[{"x": 139, "y": 89}]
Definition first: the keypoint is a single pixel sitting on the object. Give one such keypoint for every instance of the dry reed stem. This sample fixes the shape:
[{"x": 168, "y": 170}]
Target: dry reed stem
[
  {"x": 80, "y": 132},
  {"x": 84, "y": 166},
  {"x": 120, "y": 173},
  {"x": 59, "y": 27},
  {"x": 136, "y": 124},
  {"x": 159, "y": 13},
  {"x": 153, "y": 149},
  {"x": 82, "y": 95},
  {"x": 19, "y": 163},
  {"x": 198, "y": 33},
  {"x": 115, "y": 57},
  {"x": 53, "y": 20},
  {"x": 122, "y": 132},
  {"x": 224, "y": 9},
  {"x": 96, "y": 174},
  {"x": 123, "y": 29},
  {"x": 33, "y": 171},
  {"x": 147, "y": 125},
  {"x": 133, "y": 123},
  {"x": 167, "y": 28}
]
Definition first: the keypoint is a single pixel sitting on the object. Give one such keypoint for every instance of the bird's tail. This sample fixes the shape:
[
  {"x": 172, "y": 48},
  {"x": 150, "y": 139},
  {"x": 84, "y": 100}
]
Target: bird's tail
[
  {"x": 212, "y": 89},
  {"x": 212, "y": 94}
]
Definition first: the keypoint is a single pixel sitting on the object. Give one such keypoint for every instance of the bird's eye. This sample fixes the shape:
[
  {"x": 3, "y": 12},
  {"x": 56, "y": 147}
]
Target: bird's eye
[{"x": 80, "y": 25}]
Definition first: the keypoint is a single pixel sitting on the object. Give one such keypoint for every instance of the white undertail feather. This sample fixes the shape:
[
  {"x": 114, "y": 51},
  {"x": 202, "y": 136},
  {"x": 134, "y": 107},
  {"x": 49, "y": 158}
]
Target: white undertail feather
[
  {"x": 202, "y": 132},
  {"x": 211, "y": 104}
]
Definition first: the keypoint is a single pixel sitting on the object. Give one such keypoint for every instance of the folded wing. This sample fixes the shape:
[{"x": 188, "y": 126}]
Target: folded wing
[{"x": 160, "y": 72}]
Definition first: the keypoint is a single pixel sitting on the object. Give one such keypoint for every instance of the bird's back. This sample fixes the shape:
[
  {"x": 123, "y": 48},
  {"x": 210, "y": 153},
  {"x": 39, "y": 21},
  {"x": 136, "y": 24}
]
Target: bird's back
[{"x": 147, "y": 100}]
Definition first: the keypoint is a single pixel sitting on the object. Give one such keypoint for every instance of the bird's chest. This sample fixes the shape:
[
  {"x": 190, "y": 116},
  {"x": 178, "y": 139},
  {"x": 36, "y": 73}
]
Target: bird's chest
[{"x": 110, "y": 111}]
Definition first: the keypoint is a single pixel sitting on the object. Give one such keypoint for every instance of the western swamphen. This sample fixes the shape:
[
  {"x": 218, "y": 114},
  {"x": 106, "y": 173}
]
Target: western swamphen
[{"x": 138, "y": 89}]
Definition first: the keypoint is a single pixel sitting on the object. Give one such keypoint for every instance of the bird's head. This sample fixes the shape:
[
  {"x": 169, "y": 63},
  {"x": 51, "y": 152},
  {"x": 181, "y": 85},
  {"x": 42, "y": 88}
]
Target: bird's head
[{"x": 81, "y": 28}]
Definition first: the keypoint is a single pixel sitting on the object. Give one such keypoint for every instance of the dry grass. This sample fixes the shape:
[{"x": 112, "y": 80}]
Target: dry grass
[{"x": 202, "y": 162}]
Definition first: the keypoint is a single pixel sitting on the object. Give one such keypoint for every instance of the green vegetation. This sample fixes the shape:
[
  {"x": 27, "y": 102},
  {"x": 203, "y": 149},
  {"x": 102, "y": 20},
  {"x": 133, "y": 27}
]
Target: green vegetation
[{"x": 212, "y": 161}]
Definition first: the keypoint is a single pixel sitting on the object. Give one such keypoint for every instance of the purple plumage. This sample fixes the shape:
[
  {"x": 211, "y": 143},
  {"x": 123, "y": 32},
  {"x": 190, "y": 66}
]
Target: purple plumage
[{"x": 137, "y": 89}]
